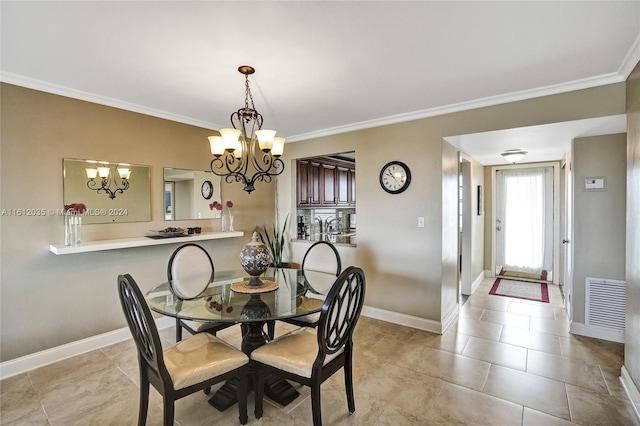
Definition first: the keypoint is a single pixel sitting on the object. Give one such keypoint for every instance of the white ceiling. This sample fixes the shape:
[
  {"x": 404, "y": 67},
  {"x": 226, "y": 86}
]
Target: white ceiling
[{"x": 321, "y": 67}]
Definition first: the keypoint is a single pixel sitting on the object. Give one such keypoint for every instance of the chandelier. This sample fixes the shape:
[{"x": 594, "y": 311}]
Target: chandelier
[
  {"x": 514, "y": 155},
  {"x": 108, "y": 181},
  {"x": 247, "y": 143}
]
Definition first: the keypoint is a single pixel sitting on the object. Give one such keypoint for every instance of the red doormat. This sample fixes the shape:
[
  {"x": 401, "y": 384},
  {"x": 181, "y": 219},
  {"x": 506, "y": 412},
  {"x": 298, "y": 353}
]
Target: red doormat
[{"x": 519, "y": 289}]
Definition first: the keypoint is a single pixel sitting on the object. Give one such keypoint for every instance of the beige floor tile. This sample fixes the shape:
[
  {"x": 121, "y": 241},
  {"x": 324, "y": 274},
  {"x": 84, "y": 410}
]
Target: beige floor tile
[
  {"x": 470, "y": 311},
  {"x": 497, "y": 353},
  {"x": 336, "y": 412},
  {"x": 550, "y": 326},
  {"x": 50, "y": 376},
  {"x": 592, "y": 408},
  {"x": 449, "y": 341},
  {"x": 593, "y": 351},
  {"x": 459, "y": 405},
  {"x": 454, "y": 368},
  {"x": 529, "y": 390},
  {"x": 530, "y": 309},
  {"x": 477, "y": 328},
  {"x": 531, "y": 339},
  {"x": 576, "y": 372},
  {"x": 536, "y": 418},
  {"x": 19, "y": 403},
  {"x": 79, "y": 397},
  {"x": 506, "y": 318}
]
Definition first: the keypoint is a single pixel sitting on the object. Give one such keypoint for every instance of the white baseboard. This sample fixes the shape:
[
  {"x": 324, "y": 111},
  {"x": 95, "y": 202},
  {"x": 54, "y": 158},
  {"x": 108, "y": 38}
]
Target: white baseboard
[
  {"x": 631, "y": 389},
  {"x": 403, "y": 319},
  {"x": 40, "y": 359},
  {"x": 598, "y": 332},
  {"x": 478, "y": 281}
]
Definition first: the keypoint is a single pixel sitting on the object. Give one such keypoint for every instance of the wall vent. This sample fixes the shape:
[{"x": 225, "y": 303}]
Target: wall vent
[{"x": 605, "y": 303}]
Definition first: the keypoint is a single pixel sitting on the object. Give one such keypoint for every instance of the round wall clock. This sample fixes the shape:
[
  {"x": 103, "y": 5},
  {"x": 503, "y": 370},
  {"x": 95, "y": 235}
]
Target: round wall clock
[
  {"x": 395, "y": 177},
  {"x": 207, "y": 189}
]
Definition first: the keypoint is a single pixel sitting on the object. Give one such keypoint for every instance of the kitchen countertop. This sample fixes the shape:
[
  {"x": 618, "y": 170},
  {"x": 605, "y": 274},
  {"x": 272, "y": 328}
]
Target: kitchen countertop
[{"x": 343, "y": 240}]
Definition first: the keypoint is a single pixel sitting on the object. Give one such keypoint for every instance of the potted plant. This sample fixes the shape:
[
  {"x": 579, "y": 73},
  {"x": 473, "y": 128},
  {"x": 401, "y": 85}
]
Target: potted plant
[{"x": 275, "y": 242}]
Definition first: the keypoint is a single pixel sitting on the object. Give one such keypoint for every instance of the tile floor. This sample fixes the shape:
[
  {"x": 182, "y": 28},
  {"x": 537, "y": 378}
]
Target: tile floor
[{"x": 504, "y": 362}]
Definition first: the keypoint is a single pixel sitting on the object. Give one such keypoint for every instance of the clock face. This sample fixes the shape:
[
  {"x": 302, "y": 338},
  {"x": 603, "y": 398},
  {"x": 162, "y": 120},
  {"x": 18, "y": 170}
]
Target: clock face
[
  {"x": 395, "y": 177},
  {"x": 207, "y": 189}
]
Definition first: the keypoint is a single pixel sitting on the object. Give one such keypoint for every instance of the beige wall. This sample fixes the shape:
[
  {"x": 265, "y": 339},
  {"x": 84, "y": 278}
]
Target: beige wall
[
  {"x": 598, "y": 216},
  {"x": 632, "y": 332},
  {"x": 49, "y": 300},
  {"x": 410, "y": 270}
]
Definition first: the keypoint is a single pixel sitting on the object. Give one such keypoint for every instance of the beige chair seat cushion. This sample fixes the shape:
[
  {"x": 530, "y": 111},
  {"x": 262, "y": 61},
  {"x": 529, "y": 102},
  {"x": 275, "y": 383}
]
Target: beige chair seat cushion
[
  {"x": 311, "y": 318},
  {"x": 199, "y": 326},
  {"x": 294, "y": 352},
  {"x": 199, "y": 358}
]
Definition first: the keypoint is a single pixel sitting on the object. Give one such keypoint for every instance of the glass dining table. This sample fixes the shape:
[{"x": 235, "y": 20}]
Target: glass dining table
[{"x": 223, "y": 301}]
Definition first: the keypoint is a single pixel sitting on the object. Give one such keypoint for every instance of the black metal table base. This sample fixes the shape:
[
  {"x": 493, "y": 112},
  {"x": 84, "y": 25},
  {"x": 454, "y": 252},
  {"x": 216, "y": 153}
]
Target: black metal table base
[{"x": 275, "y": 388}]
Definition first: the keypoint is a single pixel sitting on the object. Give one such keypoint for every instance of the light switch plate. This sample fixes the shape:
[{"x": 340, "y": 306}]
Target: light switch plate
[{"x": 421, "y": 222}]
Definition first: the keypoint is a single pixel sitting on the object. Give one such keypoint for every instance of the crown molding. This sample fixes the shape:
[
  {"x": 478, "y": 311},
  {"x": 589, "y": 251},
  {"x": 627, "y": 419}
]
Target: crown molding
[
  {"x": 555, "y": 89},
  {"x": 383, "y": 121},
  {"x": 43, "y": 86},
  {"x": 631, "y": 60}
]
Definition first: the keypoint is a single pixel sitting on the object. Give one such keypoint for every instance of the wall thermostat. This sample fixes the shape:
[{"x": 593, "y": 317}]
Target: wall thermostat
[{"x": 594, "y": 184}]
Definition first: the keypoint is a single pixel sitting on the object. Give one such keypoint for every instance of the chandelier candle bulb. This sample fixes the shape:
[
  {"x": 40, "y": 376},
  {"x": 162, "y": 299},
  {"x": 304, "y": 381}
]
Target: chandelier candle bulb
[
  {"x": 238, "y": 151},
  {"x": 230, "y": 138},
  {"x": 217, "y": 145},
  {"x": 265, "y": 139},
  {"x": 278, "y": 146}
]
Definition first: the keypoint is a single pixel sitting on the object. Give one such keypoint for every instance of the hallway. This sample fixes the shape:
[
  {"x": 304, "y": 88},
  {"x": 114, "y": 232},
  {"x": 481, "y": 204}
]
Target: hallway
[{"x": 503, "y": 362}]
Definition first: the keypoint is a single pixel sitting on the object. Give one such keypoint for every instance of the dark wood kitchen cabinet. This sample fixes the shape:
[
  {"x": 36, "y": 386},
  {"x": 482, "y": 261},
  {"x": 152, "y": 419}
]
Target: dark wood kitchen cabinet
[
  {"x": 325, "y": 182},
  {"x": 308, "y": 186}
]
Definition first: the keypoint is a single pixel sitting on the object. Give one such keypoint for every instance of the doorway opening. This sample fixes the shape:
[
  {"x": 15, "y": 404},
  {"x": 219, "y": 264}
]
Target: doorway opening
[{"x": 525, "y": 217}]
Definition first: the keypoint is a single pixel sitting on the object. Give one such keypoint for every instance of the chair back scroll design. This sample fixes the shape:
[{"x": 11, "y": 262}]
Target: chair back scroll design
[
  {"x": 141, "y": 323},
  {"x": 190, "y": 270},
  {"x": 340, "y": 312},
  {"x": 318, "y": 247}
]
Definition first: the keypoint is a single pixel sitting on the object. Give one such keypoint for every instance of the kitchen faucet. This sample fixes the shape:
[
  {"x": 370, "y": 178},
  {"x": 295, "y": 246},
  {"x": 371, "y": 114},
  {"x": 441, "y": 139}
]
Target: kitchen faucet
[
  {"x": 329, "y": 227},
  {"x": 319, "y": 219}
]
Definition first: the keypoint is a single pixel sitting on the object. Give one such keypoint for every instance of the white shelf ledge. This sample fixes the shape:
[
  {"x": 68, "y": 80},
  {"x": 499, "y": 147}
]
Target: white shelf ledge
[{"x": 123, "y": 243}]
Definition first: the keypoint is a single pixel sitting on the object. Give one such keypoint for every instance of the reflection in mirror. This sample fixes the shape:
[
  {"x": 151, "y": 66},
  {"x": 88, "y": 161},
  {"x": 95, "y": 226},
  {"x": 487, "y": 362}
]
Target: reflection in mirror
[
  {"x": 188, "y": 194},
  {"x": 112, "y": 192}
]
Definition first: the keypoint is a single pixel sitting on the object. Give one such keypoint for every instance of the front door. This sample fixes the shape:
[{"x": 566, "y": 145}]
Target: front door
[{"x": 524, "y": 222}]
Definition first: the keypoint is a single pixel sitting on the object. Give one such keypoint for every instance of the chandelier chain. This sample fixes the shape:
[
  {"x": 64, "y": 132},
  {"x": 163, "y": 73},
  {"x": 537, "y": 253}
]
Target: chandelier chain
[{"x": 247, "y": 93}]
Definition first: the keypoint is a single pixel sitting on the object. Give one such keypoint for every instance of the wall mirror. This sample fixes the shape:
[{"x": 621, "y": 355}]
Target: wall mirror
[
  {"x": 188, "y": 194},
  {"x": 111, "y": 192}
]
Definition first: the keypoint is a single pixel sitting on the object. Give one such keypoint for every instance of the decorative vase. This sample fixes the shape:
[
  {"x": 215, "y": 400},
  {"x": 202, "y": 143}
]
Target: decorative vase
[
  {"x": 255, "y": 259},
  {"x": 223, "y": 222},
  {"x": 231, "y": 223},
  {"x": 72, "y": 229}
]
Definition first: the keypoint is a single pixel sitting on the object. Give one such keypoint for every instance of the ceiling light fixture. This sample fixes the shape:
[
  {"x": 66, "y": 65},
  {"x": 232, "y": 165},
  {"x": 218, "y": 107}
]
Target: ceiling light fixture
[
  {"x": 514, "y": 155},
  {"x": 235, "y": 148},
  {"x": 108, "y": 181}
]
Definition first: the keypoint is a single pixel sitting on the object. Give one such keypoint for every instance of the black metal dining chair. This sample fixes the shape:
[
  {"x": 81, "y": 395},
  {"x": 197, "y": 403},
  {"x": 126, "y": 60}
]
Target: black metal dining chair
[
  {"x": 321, "y": 256},
  {"x": 190, "y": 270},
  {"x": 183, "y": 368},
  {"x": 311, "y": 358}
]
